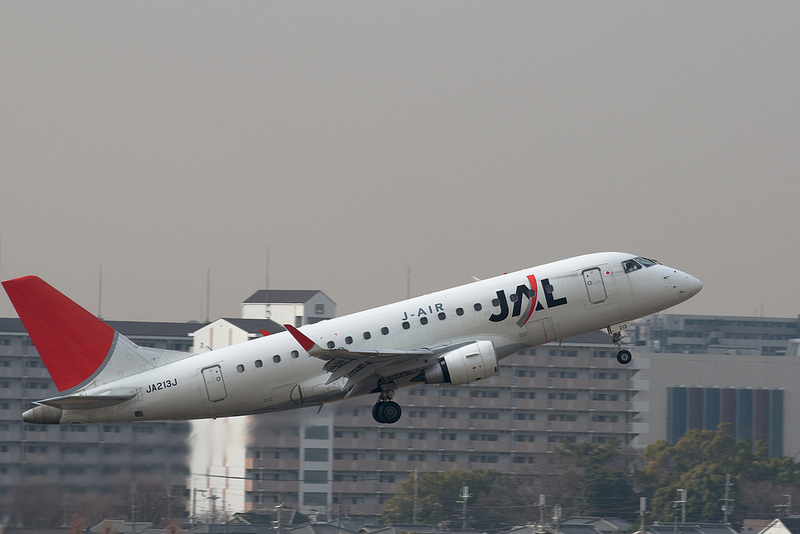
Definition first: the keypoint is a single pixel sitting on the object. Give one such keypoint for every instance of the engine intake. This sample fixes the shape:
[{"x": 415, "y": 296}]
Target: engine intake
[{"x": 463, "y": 366}]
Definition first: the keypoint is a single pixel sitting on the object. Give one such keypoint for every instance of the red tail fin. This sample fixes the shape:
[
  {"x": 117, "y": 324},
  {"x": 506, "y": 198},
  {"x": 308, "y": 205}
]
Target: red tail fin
[{"x": 72, "y": 343}]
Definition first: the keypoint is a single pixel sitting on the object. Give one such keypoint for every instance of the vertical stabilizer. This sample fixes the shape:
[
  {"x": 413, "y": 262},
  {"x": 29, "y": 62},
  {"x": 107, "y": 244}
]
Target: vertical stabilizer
[{"x": 72, "y": 343}]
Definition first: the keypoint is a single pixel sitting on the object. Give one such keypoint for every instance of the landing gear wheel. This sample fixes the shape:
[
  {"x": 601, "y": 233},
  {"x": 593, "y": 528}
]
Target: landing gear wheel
[
  {"x": 387, "y": 412},
  {"x": 623, "y": 356}
]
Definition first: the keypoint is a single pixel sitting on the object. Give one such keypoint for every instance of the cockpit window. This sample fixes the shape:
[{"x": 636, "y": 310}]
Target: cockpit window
[
  {"x": 647, "y": 262},
  {"x": 637, "y": 263},
  {"x": 630, "y": 266}
]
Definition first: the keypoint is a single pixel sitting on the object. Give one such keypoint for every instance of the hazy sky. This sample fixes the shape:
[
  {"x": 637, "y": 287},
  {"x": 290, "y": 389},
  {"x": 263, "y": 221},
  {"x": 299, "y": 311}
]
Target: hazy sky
[{"x": 359, "y": 139}]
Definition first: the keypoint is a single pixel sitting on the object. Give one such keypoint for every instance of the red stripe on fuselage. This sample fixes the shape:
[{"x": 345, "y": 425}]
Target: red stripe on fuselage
[
  {"x": 532, "y": 280},
  {"x": 71, "y": 342}
]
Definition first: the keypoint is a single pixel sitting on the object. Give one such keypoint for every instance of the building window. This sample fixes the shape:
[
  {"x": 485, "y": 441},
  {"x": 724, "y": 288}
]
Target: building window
[
  {"x": 319, "y": 309},
  {"x": 316, "y": 455},
  {"x": 316, "y": 432},
  {"x": 315, "y": 477}
]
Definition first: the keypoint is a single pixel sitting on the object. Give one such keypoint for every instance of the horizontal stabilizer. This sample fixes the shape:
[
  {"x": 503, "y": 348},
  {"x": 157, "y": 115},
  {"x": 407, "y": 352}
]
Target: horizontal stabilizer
[{"x": 86, "y": 402}]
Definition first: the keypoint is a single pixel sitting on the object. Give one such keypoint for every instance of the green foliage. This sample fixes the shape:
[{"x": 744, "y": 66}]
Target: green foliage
[
  {"x": 437, "y": 496},
  {"x": 600, "y": 487},
  {"x": 699, "y": 463}
]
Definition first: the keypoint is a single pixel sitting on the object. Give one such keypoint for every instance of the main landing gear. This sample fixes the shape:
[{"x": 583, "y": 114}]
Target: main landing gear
[{"x": 386, "y": 410}]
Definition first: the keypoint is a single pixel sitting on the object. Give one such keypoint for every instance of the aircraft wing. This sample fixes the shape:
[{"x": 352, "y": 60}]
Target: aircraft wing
[{"x": 364, "y": 369}]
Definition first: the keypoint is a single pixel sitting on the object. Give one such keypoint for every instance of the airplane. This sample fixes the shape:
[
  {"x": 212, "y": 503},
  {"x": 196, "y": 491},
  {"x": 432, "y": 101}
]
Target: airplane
[{"x": 451, "y": 337}]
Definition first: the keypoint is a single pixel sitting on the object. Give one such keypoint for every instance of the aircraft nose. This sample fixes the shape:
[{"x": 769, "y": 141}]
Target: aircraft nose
[
  {"x": 687, "y": 284},
  {"x": 694, "y": 284}
]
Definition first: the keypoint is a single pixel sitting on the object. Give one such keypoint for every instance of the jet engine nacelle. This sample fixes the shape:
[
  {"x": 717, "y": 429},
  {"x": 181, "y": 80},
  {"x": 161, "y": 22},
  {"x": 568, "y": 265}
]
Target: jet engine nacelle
[{"x": 462, "y": 366}]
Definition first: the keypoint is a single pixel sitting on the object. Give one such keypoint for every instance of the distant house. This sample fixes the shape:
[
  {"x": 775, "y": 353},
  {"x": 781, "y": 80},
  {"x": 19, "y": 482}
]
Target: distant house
[
  {"x": 604, "y": 525},
  {"x": 688, "y": 528},
  {"x": 293, "y": 306},
  {"x": 784, "y": 525},
  {"x": 225, "y": 332}
]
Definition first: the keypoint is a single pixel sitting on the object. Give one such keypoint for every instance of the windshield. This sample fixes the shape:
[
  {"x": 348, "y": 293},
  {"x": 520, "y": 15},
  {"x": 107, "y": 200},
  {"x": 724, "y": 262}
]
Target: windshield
[
  {"x": 637, "y": 263},
  {"x": 646, "y": 261}
]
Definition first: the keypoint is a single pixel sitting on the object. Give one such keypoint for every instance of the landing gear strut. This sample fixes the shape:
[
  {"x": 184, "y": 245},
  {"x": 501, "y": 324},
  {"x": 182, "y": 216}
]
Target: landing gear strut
[{"x": 386, "y": 410}]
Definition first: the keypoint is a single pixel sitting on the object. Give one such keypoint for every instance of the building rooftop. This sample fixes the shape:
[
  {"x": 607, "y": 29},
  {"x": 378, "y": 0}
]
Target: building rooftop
[{"x": 283, "y": 296}]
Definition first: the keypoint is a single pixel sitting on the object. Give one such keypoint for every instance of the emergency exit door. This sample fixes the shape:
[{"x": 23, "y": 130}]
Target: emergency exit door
[
  {"x": 595, "y": 287},
  {"x": 215, "y": 386}
]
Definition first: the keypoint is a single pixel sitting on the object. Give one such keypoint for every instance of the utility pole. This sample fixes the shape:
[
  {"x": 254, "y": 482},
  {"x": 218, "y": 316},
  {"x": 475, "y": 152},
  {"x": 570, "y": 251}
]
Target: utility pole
[
  {"x": 414, "y": 510},
  {"x": 682, "y": 503},
  {"x": 727, "y": 504},
  {"x": 194, "y": 505},
  {"x": 133, "y": 507},
  {"x": 464, "y": 498},
  {"x": 787, "y": 507},
  {"x": 557, "y": 516},
  {"x": 541, "y": 511},
  {"x": 642, "y": 511}
]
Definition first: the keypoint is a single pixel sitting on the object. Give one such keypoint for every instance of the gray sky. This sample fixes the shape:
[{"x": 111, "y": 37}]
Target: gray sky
[{"x": 358, "y": 139}]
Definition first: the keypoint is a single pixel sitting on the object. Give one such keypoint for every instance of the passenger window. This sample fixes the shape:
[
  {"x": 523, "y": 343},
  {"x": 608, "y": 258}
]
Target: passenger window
[
  {"x": 367, "y": 335},
  {"x": 259, "y": 363},
  {"x": 240, "y": 368},
  {"x": 459, "y": 311},
  {"x": 295, "y": 354},
  {"x": 384, "y": 330},
  {"x": 406, "y": 326},
  {"x": 276, "y": 359},
  {"x": 442, "y": 316},
  {"x": 331, "y": 344},
  {"x": 423, "y": 320},
  {"x": 348, "y": 340},
  {"x": 478, "y": 306}
]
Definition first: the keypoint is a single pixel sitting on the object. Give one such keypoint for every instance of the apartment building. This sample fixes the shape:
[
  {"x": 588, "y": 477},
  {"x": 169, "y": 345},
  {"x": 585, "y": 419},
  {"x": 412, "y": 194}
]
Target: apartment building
[
  {"x": 58, "y": 469},
  {"x": 341, "y": 462}
]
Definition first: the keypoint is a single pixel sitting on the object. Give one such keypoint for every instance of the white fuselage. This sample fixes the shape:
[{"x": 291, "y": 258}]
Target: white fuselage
[{"x": 271, "y": 373}]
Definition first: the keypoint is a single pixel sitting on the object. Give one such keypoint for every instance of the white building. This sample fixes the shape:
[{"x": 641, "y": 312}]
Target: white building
[{"x": 289, "y": 306}]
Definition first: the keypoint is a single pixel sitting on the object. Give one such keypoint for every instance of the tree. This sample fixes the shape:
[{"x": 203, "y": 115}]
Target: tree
[
  {"x": 700, "y": 462},
  {"x": 438, "y": 495},
  {"x": 600, "y": 483}
]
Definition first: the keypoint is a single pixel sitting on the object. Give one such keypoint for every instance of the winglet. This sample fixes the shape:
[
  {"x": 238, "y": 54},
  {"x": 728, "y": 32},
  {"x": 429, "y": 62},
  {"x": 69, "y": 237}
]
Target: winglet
[{"x": 305, "y": 342}]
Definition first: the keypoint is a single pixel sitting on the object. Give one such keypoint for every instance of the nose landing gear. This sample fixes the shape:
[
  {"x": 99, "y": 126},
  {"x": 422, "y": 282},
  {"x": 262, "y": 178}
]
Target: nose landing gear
[{"x": 623, "y": 356}]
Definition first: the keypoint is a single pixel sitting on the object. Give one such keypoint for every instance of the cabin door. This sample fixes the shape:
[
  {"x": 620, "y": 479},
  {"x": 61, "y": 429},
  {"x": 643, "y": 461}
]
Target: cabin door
[
  {"x": 595, "y": 287},
  {"x": 215, "y": 386}
]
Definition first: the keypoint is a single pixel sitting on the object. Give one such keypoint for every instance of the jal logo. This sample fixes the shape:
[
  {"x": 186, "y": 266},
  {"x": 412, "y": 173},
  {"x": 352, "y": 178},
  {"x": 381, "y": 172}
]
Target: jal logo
[{"x": 529, "y": 294}]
